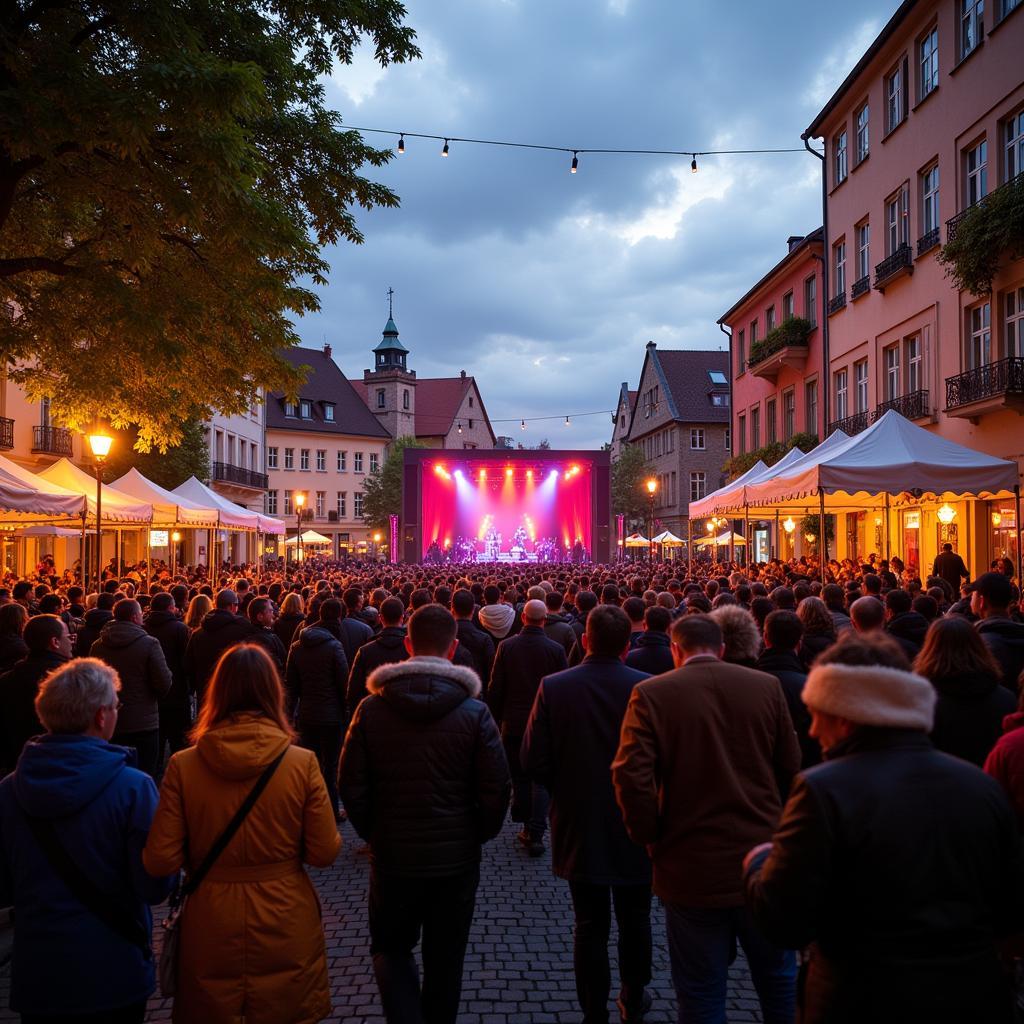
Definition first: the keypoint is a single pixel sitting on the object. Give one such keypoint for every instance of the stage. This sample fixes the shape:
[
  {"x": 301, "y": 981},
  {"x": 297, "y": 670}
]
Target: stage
[{"x": 507, "y": 506}]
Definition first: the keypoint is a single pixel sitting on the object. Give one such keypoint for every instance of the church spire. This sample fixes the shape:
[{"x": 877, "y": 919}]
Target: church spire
[{"x": 390, "y": 354}]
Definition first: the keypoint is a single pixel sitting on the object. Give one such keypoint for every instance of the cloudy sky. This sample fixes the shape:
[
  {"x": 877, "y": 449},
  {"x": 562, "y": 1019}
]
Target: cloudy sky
[{"x": 548, "y": 285}]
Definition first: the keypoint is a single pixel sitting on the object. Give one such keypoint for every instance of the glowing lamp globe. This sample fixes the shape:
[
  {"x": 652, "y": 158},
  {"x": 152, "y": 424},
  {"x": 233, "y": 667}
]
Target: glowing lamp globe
[
  {"x": 788, "y": 525},
  {"x": 946, "y": 515},
  {"x": 100, "y": 444}
]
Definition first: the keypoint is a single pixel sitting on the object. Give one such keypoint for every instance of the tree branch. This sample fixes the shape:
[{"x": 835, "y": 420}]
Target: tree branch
[
  {"x": 36, "y": 265},
  {"x": 92, "y": 29}
]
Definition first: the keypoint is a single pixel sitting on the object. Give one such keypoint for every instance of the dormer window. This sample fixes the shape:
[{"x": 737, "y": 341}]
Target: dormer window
[
  {"x": 291, "y": 409},
  {"x": 329, "y": 412},
  {"x": 305, "y": 409},
  {"x": 719, "y": 379}
]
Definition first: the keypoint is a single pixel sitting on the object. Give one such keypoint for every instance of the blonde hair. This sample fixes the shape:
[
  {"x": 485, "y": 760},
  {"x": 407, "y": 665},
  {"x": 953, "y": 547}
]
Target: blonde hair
[
  {"x": 198, "y": 608},
  {"x": 293, "y": 604}
]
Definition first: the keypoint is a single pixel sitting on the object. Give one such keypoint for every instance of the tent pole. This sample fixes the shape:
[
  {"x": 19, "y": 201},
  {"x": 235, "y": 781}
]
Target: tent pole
[
  {"x": 822, "y": 539},
  {"x": 149, "y": 554},
  {"x": 81, "y": 558},
  {"x": 1020, "y": 562},
  {"x": 887, "y": 532},
  {"x": 778, "y": 539},
  {"x": 746, "y": 536},
  {"x": 689, "y": 546}
]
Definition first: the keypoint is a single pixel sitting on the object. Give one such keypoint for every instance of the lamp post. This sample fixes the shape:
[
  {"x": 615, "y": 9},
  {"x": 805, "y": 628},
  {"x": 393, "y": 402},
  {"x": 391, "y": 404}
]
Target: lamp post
[
  {"x": 175, "y": 539},
  {"x": 652, "y": 490},
  {"x": 376, "y": 545},
  {"x": 300, "y": 500},
  {"x": 99, "y": 444}
]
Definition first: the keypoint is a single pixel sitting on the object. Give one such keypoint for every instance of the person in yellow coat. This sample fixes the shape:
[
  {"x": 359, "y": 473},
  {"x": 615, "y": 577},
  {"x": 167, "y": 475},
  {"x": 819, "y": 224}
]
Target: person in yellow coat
[{"x": 251, "y": 942}]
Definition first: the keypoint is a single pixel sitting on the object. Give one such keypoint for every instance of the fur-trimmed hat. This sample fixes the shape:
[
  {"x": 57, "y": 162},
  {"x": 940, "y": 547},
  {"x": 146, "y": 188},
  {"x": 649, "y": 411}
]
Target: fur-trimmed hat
[{"x": 872, "y": 695}]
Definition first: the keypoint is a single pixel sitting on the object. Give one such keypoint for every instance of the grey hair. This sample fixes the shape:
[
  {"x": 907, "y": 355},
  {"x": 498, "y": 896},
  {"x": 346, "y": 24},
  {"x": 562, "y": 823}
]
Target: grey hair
[
  {"x": 70, "y": 696},
  {"x": 739, "y": 632}
]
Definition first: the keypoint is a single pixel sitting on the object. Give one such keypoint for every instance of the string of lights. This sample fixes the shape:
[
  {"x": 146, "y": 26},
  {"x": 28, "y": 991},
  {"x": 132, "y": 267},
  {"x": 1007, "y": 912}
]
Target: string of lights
[
  {"x": 568, "y": 417},
  {"x": 575, "y": 150}
]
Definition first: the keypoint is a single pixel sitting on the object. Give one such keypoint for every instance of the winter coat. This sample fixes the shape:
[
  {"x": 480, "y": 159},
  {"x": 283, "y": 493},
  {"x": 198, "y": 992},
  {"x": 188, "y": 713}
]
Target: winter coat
[
  {"x": 1005, "y": 639},
  {"x": 570, "y": 741},
  {"x": 264, "y": 637},
  {"x": 950, "y": 567},
  {"x": 387, "y": 648},
  {"x": 908, "y": 630},
  {"x": 423, "y": 774},
  {"x": 969, "y": 714},
  {"x": 841, "y": 621},
  {"x": 559, "y": 628},
  {"x": 93, "y": 622},
  {"x": 66, "y": 960},
  {"x": 138, "y": 659},
  {"x": 219, "y": 631},
  {"x": 353, "y": 633},
  {"x": 480, "y": 646},
  {"x": 963, "y": 607},
  {"x": 285, "y": 628},
  {"x": 787, "y": 667},
  {"x": 901, "y": 865},
  {"x": 520, "y": 663},
  {"x": 317, "y": 675},
  {"x": 813, "y": 644},
  {"x": 18, "y": 689},
  {"x": 652, "y": 654},
  {"x": 12, "y": 649},
  {"x": 706, "y": 755},
  {"x": 172, "y": 635},
  {"x": 252, "y": 942}
]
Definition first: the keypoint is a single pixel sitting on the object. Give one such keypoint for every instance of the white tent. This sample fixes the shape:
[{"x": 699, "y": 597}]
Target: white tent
[
  {"x": 668, "y": 538},
  {"x": 49, "y": 530},
  {"x": 637, "y": 540},
  {"x": 117, "y": 507},
  {"x": 24, "y": 495},
  {"x": 169, "y": 509},
  {"x": 232, "y": 516},
  {"x": 722, "y": 540},
  {"x": 713, "y": 502},
  {"x": 311, "y": 539}
]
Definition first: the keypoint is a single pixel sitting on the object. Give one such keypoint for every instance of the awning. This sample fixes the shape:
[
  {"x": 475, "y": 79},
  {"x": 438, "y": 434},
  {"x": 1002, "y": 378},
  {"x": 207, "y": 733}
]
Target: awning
[
  {"x": 49, "y": 530},
  {"x": 724, "y": 496},
  {"x": 231, "y": 516},
  {"x": 668, "y": 538},
  {"x": 24, "y": 495},
  {"x": 637, "y": 540},
  {"x": 722, "y": 539},
  {"x": 169, "y": 509},
  {"x": 117, "y": 506},
  {"x": 311, "y": 539}
]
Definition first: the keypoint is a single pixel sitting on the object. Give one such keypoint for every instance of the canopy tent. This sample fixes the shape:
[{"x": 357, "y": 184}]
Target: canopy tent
[
  {"x": 723, "y": 540},
  {"x": 230, "y": 515},
  {"x": 668, "y": 538},
  {"x": 23, "y": 495},
  {"x": 311, "y": 539},
  {"x": 48, "y": 530},
  {"x": 637, "y": 540},
  {"x": 169, "y": 509},
  {"x": 722, "y": 498},
  {"x": 118, "y": 507}
]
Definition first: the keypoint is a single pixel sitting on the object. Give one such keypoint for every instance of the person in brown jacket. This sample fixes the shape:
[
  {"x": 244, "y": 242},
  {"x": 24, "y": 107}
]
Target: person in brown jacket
[
  {"x": 251, "y": 942},
  {"x": 705, "y": 759}
]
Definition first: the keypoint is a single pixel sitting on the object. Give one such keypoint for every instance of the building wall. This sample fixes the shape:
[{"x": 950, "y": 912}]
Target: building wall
[
  {"x": 475, "y": 431},
  {"x": 620, "y": 422},
  {"x": 33, "y": 449},
  {"x": 398, "y": 420}
]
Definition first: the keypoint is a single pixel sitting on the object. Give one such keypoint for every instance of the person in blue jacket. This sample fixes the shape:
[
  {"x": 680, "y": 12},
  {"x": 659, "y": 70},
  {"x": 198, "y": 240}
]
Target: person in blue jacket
[{"x": 72, "y": 787}]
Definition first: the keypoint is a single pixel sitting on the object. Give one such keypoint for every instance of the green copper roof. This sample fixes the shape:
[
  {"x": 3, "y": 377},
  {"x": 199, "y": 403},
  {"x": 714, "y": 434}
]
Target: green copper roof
[{"x": 390, "y": 342}]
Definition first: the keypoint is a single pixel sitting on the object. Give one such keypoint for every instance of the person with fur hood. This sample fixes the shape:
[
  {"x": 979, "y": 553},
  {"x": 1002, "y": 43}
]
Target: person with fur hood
[{"x": 425, "y": 782}]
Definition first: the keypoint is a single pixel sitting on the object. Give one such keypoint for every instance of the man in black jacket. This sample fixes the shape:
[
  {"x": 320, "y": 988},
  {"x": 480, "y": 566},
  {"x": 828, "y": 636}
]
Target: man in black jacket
[
  {"x": 260, "y": 612},
  {"x": 95, "y": 619},
  {"x": 571, "y": 740},
  {"x": 899, "y": 865},
  {"x": 220, "y": 629},
  {"x": 950, "y": 566},
  {"x": 991, "y": 597},
  {"x": 903, "y": 623},
  {"x": 425, "y": 782},
  {"x": 653, "y": 651},
  {"x": 520, "y": 663},
  {"x": 385, "y": 649},
  {"x": 472, "y": 639},
  {"x": 172, "y": 634},
  {"x": 557, "y": 625}
]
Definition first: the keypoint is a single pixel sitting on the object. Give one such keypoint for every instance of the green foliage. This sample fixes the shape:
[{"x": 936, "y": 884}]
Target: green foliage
[
  {"x": 169, "y": 173},
  {"x": 191, "y": 457},
  {"x": 793, "y": 331},
  {"x": 382, "y": 491},
  {"x": 769, "y": 454},
  {"x": 629, "y": 493},
  {"x": 990, "y": 233}
]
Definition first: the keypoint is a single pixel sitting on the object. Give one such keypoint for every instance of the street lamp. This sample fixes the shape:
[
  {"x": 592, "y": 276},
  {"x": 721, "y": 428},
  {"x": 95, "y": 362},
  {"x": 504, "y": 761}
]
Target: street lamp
[
  {"x": 376, "y": 545},
  {"x": 99, "y": 443},
  {"x": 175, "y": 539},
  {"x": 652, "y": 490},
  {"x": 300, "y": 500}
]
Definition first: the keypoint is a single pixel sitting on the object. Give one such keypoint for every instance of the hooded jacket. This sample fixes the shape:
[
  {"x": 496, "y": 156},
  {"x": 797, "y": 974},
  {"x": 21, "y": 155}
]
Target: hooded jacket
[
  {"x": 652, "y": 654},
  {"x": 559, "y": 628},
  {"x": 18, "y": 719},
  {"x": 1005, "y": 639},
  {"x": 316, "y": 676},
  {"x": 172, "y": 635},
  {"x": 423, "y": 775},
  {"x": 497, "y": 619},
  {"x": 386, "y": 649},
  {"x": 285, "y": 627},
  {"x": 908, "y": 629},
  {"x": 969, "y": 714},
  {"x": 66, "y": 960},
  {"x": 219, "y": 630},
  {"x": 138, "y": 659},
  {"x": 94, "y": 621}
]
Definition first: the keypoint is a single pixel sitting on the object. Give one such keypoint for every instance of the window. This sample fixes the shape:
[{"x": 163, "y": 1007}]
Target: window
[
  {"x": 304, "y": 458},
  {"x": 305, "y": 409},
  {"x": 753, "y": 333},
  {"x": 863, "y": 250},
  {"x": 972, "y": 25},
  {"x": 1006, "y": 6},
  {"x": 1014, "y": 332},
  {"x": 291, "y": 409},
  {"x": 811, "y": 406},
  {"x": 863, "y": 132},
  {"x": 741, "y": 428},
  {"x": 742, "y": 351},
  {"x": 1014, "y": 146},
  {"x": 289, "y": 458},
  {"x": 357, "y": 504},
  {"x": 698, "y": 485},
  {"x": 728, "y": 442},
  {"x": 896, "y": 97},
  {"x": 980, "y": 350},
  {"x": 329, "y": 412},
  {"x": 380, "y": 398},
  {"x": 915, "y": 367},
  {"x": 839, "y": 267},
  {"x": 321, "y": 460},
  {"x": 892, "y": 372},
  {"x": 287, "y": 503},
  {"x": 373, "y": 462},
  {"x": 897, "y": 221},
  {"x": 470, "y": 424},
  {"x": 720, "y": 399},
  {"x": 358, "y": 462},
  {"x": 771, "y": 425},
  {"x": 930, "y": 199},
  {"x": 342, "y": 465},
  {"x": 769, "y": 319},
  {"x": 977, "y": 173},
  {"x": 320, "y": 496},
  {"x": 839, "y": 158},
  {"x": 697, "y": 439},
  {"x": 272, "y": 458},
  {"x": 342, "y": 512},
  {"x": 718, "y": 378},
  {"x": 860, "y": 383},
  {"x": 271, "y": 503},
  {"x": 811, "y": 301},
  {"x": 755, "y": 428},
  {"x": 405, "y": 398},
  {"x": 842, "y": 410},
  {"x": 927, "y": 64},
  {"x": 788, "y": 306},
  {"x": 788, "y": 414}
]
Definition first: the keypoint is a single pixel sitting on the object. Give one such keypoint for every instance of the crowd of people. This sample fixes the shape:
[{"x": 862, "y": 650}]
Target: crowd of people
[{"x": 828, "y": 773}]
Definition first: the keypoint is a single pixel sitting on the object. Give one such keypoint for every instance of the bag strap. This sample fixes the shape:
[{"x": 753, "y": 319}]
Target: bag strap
[
  {"x": 111, "y": 911},
  {"x": 193, "y": 880}
]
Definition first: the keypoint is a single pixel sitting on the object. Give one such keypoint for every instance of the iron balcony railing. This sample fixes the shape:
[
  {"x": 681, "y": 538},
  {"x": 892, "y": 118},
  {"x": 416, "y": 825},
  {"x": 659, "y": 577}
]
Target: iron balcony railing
[
  {"x": 236, "y": 475},
  {"x": 6, "y": 432},
  {"x": 913, "y": 406},
  {"x": 850, "y": 424},
  {"x": 1005, "y": 377},
  {"x": 837, "y": 302},
  {"x": 928, "y": 241},
  {"x": 954, "y": 222},
  {"x": 52, "y": 440},
  {"x": 861, "y": 286},
  {"x": 902, "y": 259}
]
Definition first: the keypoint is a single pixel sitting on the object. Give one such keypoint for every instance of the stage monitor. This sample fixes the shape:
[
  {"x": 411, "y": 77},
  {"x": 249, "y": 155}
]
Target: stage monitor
[{"x": 498, "y": 505}]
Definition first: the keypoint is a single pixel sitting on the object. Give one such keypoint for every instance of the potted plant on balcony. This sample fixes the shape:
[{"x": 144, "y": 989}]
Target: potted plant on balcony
[{"x": 793, "y": 331}]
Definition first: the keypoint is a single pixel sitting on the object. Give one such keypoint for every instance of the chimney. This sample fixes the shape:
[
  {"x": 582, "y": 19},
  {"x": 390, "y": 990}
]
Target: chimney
[
  {"x": 651, "y": 345},
  {"x": 793, "y": 241},
  {"x": 327, "y": 350},
  {"x": 463, "y": 374}
]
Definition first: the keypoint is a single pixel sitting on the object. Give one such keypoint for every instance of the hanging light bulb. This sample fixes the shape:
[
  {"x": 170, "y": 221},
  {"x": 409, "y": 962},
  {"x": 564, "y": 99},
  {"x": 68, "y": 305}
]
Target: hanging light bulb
[
  {"x": 444, "y": 152},
  {"x": 693, "y": 164},
  {"x": 567, "y": 421},
  {"x": 522, "y": 424},
  {"x": 575, "y": 162},
  {"x": 401, "y": 143}
]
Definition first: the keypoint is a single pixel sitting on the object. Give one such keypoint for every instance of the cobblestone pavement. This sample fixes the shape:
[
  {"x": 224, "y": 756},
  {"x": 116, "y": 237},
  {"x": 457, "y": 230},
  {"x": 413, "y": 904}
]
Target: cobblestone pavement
[{"x": 519, "y": 965}]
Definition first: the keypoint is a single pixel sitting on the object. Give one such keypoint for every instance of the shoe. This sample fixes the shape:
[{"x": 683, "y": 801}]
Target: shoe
[
  {"x": 634, "y": 1015},
  {"x": 536, "y": 848}
]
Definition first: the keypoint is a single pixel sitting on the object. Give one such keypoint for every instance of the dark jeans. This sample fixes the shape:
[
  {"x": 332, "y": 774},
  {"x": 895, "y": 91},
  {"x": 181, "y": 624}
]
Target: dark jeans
[
  {"x": 702, "y": 944},
  {"x": 175, "y": 723},
  {"x": 529, "y": 799},
  {"x": 324, "y": 739},
  {"x": 593, "y": 907},
  {"x": 147, "y": 748},
  {"x": 134, "y": 1014},
  {"x": 399, "y": 909}
]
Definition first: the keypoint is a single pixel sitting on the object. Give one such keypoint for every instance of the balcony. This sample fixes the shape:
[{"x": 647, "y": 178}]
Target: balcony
[
  {"x": 837, "y": 302},
  {"x": 236, "y": 475},
  {"x": 913, "y": 406},
  {"x": 785, "y": 345},
  {"x": 850, "y": 424},
  {"x": 989, "y": 388},
  {"x": 51, "y": 441},
  {"x": 861, "y": 286},
  {"x": 954, "y": 222},
  {"x": 928, "y": 241},
  {"x": 6, "y": 432},
  {"x": 899, "y": 263}
]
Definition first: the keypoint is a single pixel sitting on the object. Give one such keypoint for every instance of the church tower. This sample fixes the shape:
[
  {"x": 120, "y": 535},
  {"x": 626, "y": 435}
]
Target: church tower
[{"x": 390, "y": 385}]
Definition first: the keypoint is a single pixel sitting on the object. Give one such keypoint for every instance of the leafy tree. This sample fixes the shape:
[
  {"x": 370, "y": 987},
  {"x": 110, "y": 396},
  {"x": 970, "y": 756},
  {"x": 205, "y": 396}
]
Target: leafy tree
[
  {"x": 169, "y": 173},
  {"x": 769, "y": 454},
  {"x": 629, "y": 493},
  {"x": 191, "y": 457},
  {"x": 382, "y": 491}
]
